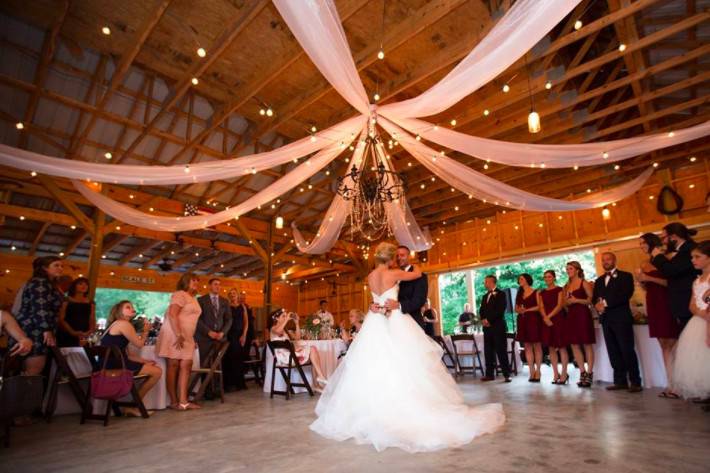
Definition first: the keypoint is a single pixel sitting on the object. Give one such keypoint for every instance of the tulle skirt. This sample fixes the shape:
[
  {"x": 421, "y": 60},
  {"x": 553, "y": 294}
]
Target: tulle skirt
[
  {"x": 691, "y": 365},
  {"x": 392, "y": 390}
]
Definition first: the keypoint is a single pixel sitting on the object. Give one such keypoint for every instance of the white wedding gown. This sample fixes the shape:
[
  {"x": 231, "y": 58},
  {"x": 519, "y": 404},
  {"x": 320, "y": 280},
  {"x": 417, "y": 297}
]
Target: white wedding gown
[
  {"x": 392, "y": 390},
  {"x": 691, "y": 364}
]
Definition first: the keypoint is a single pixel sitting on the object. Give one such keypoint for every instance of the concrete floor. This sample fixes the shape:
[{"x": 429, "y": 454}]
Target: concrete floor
[{"x": 550, "y": 429}]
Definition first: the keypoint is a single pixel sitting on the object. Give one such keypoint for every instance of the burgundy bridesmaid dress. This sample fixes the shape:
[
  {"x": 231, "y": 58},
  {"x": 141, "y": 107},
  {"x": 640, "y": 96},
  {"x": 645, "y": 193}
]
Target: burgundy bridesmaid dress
[
  {"x": 529, "y": 323},
  {"x": 661, "y": 323},
  {"x": 554, "y": 335},
  {"x": 580, "y": 326}
]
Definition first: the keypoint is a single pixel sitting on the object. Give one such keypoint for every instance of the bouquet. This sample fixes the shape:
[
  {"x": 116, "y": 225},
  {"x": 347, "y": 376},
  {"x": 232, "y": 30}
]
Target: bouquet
[{"x": 316, "y": 327}]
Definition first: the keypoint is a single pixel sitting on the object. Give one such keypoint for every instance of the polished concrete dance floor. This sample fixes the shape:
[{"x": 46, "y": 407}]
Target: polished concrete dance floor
[{"x": 549, "y": 429}]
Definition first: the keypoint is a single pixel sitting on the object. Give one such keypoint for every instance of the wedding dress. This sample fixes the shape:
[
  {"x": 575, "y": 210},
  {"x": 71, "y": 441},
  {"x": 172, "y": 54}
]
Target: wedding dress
[{"x": 392, "y": 390}]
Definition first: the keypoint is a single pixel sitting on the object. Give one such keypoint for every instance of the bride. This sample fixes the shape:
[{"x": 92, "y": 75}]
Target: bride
[{"x": 391, "y": 389}]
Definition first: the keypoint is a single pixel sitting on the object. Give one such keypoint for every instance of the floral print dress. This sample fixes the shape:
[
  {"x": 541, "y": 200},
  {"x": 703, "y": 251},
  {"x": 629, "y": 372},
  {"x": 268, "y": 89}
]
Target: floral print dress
[{"x": 39, "y": 311}]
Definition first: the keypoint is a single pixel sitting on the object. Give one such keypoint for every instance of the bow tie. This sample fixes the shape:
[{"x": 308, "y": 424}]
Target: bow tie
[{"x": 609, "y": 273}]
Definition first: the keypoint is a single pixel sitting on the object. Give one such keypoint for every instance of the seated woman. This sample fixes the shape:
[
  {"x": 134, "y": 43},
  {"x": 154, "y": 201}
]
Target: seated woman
[
  {"x": 304, "y": 352},
  {"x": 9, "y": 325},
  {"x": 356, "y": 318},
  {"x": 120, "y": 333}
]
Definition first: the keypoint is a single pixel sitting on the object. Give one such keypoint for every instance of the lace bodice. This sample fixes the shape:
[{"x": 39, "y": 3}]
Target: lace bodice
[
  {"x": 700, "y": 287},
  {"x": 390, "y": 293}
]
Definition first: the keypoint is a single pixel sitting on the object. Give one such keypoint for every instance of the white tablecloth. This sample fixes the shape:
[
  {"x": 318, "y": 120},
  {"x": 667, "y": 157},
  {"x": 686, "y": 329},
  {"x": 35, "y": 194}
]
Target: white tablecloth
[
  {"x": 156, "y": 398},
  {"x": 468, "y": 346},
  {"x": 648, "y": 351},
  {"x": 329, "y": 350}
]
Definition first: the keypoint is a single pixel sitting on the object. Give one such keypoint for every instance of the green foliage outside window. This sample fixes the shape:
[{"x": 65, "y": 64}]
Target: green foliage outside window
[
  {"x": 454, "y": 294},
  {"x": 146, "y": 303}
]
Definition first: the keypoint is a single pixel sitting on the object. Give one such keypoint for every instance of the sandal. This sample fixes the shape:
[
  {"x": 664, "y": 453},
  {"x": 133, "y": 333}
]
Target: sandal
[
  {"x": 669, "y": 395},
  {"x": 188, "y": 406}
]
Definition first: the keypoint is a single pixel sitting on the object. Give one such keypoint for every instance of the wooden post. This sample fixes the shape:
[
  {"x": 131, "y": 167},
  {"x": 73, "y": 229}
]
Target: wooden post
[
  {"x": 97, "y": 246},
  {"x": 268, "y": 269}
]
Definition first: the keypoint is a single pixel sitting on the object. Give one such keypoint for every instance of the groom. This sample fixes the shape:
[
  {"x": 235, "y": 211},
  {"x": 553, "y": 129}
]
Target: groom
[{"x": 412, "y": 294}]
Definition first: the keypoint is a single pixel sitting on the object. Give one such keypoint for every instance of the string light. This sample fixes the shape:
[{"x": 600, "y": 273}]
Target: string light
[
  {"x": 453, "y": 122},
  {"x": 33, "y": 174},
  {"x": 548, "y": 85},
  {"x": 269, "y": 112},
  {"x": 534, "y": 125},
  {"x": 380, "y": 54},
  {"x": 108, "y": 155},
  {"x": 693, "y": 159},
  {"x": 201, "y": 52},
  {"x": 506, "y": 88},
  {"x": 622, "y": 47},
  {"x": 486, "y": 112},
  {"x": 578, "y": 25},
  {"x": 314, "y": 129},
  {"x": 606, "y": 213},
  {"x": 195, "y": 81},
  {"x": 617, "y": 167},
  {"x": 376, "y": 97},
  {"x": 106, "y": 30},
  {"x": 19, "y": 125},
  {"x": 655, "y": 165}
]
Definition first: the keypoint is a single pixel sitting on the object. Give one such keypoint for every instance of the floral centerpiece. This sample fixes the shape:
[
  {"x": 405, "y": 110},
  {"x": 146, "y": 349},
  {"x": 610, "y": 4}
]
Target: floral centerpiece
[{"x": 317, "y": 328}]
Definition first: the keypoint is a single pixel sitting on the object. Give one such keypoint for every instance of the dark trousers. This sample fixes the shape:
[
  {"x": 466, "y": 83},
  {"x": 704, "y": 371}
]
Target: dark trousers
[
  {"x": 495, "y": 343},
  {"x": 619, "y": 339}
]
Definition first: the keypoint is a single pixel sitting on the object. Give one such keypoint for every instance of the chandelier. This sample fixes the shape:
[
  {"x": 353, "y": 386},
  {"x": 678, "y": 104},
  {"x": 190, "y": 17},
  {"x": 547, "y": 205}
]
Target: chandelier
[{"x": 370, "y": 189}]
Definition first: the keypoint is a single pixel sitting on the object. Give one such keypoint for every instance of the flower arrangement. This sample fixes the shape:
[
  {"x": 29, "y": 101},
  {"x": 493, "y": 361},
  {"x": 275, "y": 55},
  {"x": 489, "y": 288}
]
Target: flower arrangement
[{"x": 316, "y": 327}]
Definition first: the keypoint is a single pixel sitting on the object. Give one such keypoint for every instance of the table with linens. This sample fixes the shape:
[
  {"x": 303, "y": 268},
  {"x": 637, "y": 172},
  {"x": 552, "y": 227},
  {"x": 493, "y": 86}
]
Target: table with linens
[
  {"x": 329, "y": 351},
  {"x": 467, "y": 346},
  {"x": 156, "y": 398}
]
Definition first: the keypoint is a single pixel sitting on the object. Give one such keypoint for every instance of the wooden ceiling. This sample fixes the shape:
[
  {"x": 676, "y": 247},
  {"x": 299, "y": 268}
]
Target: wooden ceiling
[{"x": 584, "y": 88}]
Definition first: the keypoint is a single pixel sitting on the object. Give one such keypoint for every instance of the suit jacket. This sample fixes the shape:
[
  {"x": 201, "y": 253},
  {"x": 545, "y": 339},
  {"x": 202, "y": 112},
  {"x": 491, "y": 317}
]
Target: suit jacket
[
  {"x": 680, "y": 274},
  {"x": 617, "y": 295},
  {"x": 493, "y": 310},
  {"x": 217, "y": 321},
  {"x": 412, "y": 297}
]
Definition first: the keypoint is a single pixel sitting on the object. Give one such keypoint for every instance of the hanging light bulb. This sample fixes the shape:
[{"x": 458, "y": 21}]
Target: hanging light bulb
[
  {"x": 548, "y": 85},
  {"x": 106, "y": 30},
  {"x": 262, "y": 112},
  {"x": 269, "y": 112},
  {"x": 195, "y": 81},
  {"x": 486, "y": 112},
  {"x": 201, "y": 52},
  {"x": 108, "y": 155},
  {"x": 534, "y": 125},
  {"x": 606, "y": 213},
  {"x": 19, "y": 125},
  {"x": 376, "y": 97},
  {"x": 279, "y": 222},
  {"x": 578, "y": 25},
  {"x": 506, "y": 88},
  {"x": 381, "y": 54},
  {"x": 622, "y": 47}
]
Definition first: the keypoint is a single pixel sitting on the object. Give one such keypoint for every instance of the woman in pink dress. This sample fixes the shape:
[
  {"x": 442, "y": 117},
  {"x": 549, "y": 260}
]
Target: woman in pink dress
[
  {"x": 176, "y": 340},
  {"x": 552, "y": 310},
  {"x": 529, "y": 325},
  {"x": 580, "y": 326},
  {"x": 662, "y": 325}
]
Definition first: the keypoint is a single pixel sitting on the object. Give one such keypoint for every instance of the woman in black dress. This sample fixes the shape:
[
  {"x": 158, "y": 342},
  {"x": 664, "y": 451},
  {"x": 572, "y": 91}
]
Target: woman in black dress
[
  {"x": 120, "y": 333},
  {"x": 77, "y": 317},
  {"x": 430, "y": 319}
]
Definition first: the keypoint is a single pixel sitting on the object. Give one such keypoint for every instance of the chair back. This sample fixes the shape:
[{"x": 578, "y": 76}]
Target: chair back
[{"x": 19, "y": 395}]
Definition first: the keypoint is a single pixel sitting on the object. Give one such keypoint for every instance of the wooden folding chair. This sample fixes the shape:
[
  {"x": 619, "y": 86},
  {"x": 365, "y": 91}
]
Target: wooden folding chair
[
  {"x": 210, "y": 373},
  {"x": 451, "y": 364},
  {"x": 474, "y": 353},
  {"x": 286, "y": 370},
  {"x": 511, "y": 352},
  {"x": 96, "y": 356},
  {"x": 256, "y": 362},
  {"x": 19, "y": 395},
  {"x": 63, "y": 374}
]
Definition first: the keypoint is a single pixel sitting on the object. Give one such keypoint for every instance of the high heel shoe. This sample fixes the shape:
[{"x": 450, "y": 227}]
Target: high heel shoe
[
  {"x": 561, "y": 382},
  {"x": 582, "y": 379},
  {"x": 556, "y": 380}
]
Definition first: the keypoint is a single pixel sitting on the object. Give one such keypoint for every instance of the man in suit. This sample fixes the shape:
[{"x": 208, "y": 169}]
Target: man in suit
[
  {"x": 412, "y": 294},
  {"x": 215, "y": 319},
  {"x": 612, "y": 292},
  {"x": 677, "y": 269},
  {"x": 495, "y": 340}
]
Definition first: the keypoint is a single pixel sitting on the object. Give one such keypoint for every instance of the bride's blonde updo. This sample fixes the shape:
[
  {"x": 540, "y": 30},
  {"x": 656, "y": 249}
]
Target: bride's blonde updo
[{"x": 384, "y": 253}]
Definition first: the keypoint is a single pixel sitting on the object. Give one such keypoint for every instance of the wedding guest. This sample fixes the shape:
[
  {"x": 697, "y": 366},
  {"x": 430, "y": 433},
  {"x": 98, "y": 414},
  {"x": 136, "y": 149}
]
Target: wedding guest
[
  {"x": 237, "y": 336},
  {"x": 215, "y": 319},
  {"x": 430, "y": 317},
  {"x": 22, "y": 344},
  {"x": 37, "y": 317},
  {"x": 121, "y": 333},
  {"x": 77, "y": 316},
  {"x": 466, "y": 318},
  {"x": 324, "y": 315},
  {"x": 304, "y": 352},
  {"x": 176, "y": 340},
  {"x": 580, "y": 326},
  {"x": 611, "y": 296},
  {"x": 552, "y": 310},
  {"x": 676, "y": 266},
  {"x": 495, "y": 340},
  {"x": 661, "y": 323},
  {"x": 356, "y": 318},
  {"x": 529, "y": 325},
  {"x": 691, "y": 376}
]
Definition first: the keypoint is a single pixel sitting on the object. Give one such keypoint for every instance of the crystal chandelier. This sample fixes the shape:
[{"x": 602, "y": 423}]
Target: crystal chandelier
[{"x": 370, "y": 189}]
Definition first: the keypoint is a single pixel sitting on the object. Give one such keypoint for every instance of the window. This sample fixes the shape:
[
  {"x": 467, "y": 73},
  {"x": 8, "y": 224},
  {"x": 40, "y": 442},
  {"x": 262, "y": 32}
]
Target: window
[
  {"x": 457, "y": 288},
  {"x": 147, "y": 303}
]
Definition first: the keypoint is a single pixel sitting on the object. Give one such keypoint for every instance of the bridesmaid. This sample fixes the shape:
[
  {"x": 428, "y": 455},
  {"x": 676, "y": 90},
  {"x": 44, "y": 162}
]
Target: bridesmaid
[
  {"x": 661, "y": 323},
  {"x": 552, "y": 306},
  {"x": 580, "y": 326},
  {"x": 77, "y": 317},
  {"x": 529, "y": 325},
  {"x": 176, "y": 340}
]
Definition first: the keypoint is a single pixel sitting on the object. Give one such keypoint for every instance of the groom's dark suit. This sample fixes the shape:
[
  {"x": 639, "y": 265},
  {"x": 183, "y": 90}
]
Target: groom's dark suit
[
  {"x": 412, "y": 296},
  {"x": 495, "y": 340}
]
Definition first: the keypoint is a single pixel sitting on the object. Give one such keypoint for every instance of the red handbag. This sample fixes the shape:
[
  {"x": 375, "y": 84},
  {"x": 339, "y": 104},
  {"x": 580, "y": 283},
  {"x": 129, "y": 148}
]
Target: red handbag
[{"x": 111, "y": 384}]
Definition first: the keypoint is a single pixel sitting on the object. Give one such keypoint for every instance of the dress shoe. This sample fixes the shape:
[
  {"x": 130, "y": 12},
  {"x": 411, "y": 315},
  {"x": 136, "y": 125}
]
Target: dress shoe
[
  {"x": 635, "y": 388},
  {"x": 487, "y": 378},
  {"x": 617, "y": 387},
  {"x": 508, "y": 379}
]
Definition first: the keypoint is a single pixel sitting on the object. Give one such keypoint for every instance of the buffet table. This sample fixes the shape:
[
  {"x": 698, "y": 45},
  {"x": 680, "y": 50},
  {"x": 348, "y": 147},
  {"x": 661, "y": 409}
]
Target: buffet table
[
  {"x": 329, "y": 351},
  {"x": 156, "y": 398}
]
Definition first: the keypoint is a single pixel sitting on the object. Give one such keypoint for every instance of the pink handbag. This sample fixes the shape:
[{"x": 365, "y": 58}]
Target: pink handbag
[{"x": 111, "y": 384}]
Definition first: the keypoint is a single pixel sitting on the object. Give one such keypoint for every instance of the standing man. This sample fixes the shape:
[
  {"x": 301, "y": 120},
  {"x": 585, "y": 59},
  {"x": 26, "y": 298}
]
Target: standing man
[
  {"x": 215, "y": 319},
  {"x": 675, "y": 266},
  {"x": 495, "y": 340},
  {"x": 324, "y": 315},
  {"x": 412, "y": 294},
  {"x": 612, "y": 292}
]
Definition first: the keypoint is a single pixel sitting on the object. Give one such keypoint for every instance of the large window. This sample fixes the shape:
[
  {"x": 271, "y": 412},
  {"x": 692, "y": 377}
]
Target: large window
[
  {"x": 147, "y": 303},
  {"x": 460, "y": 287}
]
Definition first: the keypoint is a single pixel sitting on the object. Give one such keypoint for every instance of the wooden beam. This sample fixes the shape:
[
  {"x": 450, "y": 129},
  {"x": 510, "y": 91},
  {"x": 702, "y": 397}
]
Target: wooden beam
[
  {"x": 38, "y": 238},
  {"x": 67, "y": 203},
  {"x": 260, "y": 251},
  {"x": 75, "y": 242},
  {"x": 137, "y": 251}
]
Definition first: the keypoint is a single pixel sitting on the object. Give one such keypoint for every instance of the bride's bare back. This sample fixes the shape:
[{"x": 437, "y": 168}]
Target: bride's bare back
[{"x": 383, "y": 278}]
